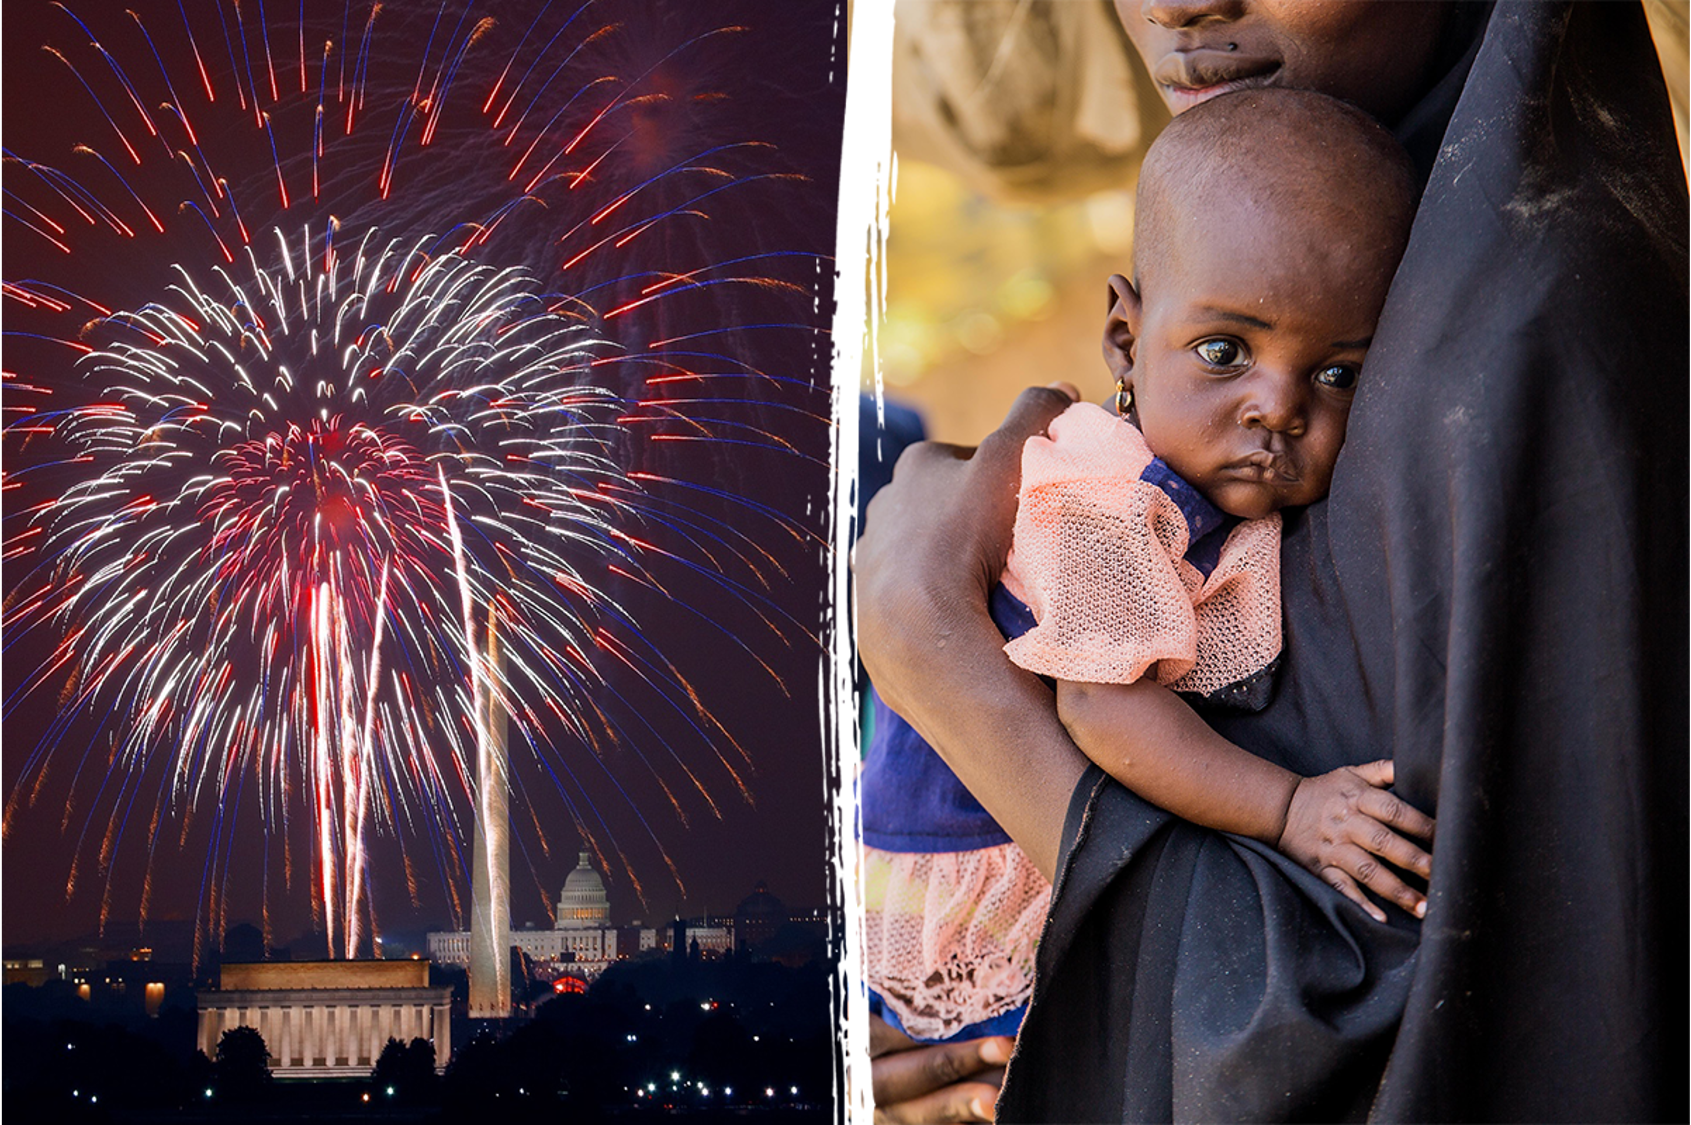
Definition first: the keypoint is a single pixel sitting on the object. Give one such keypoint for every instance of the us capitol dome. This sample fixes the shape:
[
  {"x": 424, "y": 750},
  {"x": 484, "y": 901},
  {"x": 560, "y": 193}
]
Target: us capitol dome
[
  {"x": 584, "y": 903},
  {"x": 581, "y": 941}
]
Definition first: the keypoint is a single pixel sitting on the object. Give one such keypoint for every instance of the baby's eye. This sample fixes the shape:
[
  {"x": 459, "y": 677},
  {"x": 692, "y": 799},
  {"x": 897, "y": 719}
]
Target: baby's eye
[
  {"x": 1221, "y": 353},
  {"x": 1338, "y": 376}
]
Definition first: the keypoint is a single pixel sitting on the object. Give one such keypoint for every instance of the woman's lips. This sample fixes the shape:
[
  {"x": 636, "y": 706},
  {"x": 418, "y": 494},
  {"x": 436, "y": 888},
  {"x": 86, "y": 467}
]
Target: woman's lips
[{"x": 1190, "y": 77}]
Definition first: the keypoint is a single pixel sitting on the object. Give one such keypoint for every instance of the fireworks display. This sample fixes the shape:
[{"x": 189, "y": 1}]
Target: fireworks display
[{"x": 371, "y": 373}]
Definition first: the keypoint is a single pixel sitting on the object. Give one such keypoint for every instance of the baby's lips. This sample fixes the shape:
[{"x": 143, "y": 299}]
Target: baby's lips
[{"x": 1266, "y": 467}]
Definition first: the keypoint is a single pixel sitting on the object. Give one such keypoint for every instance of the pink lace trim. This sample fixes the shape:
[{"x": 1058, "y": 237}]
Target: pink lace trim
[{"x": 951, "y": 935}]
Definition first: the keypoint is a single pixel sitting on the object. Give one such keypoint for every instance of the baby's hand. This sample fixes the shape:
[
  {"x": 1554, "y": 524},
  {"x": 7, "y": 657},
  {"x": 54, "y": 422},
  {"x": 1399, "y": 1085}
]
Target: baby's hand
[{"x": 1341, "y": 824}]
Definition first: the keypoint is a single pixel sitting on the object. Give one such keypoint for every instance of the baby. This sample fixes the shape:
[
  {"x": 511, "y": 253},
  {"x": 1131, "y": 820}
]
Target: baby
[{"x": 1144, "y": 579}]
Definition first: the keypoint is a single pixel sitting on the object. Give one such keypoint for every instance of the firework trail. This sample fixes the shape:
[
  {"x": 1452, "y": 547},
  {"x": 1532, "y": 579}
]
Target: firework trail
[{"x": 387, "y": 312}]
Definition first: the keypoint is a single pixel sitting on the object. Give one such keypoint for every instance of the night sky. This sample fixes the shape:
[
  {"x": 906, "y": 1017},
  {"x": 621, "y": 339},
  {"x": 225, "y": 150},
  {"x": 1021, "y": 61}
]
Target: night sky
[{"x": 719, "y": 123}]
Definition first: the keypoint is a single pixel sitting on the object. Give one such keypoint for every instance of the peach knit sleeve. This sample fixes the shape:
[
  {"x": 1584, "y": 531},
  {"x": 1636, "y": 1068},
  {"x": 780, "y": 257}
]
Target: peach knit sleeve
[{"x": 1098, "y": 557}]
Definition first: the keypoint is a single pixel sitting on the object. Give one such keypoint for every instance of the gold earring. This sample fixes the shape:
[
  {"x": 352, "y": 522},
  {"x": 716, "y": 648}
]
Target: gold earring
[{"x": 1124, "y": 398}]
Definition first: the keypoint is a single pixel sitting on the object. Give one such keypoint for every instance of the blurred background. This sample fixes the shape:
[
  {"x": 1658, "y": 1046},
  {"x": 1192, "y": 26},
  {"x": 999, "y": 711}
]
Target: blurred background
[{"x": 1018, "y": 127}]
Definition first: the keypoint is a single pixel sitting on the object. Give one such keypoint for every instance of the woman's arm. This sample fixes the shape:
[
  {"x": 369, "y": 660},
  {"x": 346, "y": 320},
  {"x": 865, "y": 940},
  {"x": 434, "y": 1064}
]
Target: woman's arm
[
  {"x": 934, "y": 542},
  {"x": 1147, "y": 738}
]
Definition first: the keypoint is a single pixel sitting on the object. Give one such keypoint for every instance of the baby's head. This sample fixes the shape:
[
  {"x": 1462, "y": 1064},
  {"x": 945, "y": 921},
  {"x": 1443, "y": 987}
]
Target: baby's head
[{"x": 1268, "y": 227}]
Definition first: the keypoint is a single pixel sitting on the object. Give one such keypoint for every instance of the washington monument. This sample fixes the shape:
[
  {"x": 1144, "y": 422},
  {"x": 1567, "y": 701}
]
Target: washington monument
[{"x": 490, "y": 879}]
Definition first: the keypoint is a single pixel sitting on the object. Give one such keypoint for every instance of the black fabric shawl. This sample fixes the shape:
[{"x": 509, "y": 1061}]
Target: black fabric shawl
[{"x": 1495, "y": 595}]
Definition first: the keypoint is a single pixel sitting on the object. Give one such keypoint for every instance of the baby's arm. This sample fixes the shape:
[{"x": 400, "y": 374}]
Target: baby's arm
[{"x": 1147, "y": 738}]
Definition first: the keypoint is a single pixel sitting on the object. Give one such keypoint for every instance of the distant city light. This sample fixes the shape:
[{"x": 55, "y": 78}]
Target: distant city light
[
  {"x": 675, "y": 1076},
  {"x": 769, "y": 1091}
]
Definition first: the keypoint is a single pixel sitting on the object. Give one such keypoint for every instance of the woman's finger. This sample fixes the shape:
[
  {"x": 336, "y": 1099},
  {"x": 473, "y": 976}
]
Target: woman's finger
[
  {"x": 1393, "y": 811},
  {"x": 1373, "y": 836},
  {"x": 1030, "y": 414},
  {"x": 1368, "y": 870},
  {"x": 965, "y": 1101},
  {"x": 1378, "y": 774},
  {"x": 884, "y": 1038},
  {"x": 1341, "y": 881},
  {"x": 917, "y": 452},
  {"x": 915, "y": 1073}
]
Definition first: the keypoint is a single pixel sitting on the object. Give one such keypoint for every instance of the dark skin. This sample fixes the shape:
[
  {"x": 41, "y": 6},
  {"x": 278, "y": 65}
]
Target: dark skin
[
  {"x": 1374, "y": 54},
  {"x": 1242, "y": 361},
  {"x": 1244, "y": 353},
  {"x": 937, "y": 538},
  {"x": 911, "y": 623},
  {"x": 1243, "y": 358},
  {"x": 1026, "y": 788},
  {"x": 947, "y": 1082}
]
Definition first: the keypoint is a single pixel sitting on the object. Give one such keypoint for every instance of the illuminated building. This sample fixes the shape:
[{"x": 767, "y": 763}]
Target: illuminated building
[
  {"x": 327, "y": 1019},
  {"x": 581, "y": 938}
]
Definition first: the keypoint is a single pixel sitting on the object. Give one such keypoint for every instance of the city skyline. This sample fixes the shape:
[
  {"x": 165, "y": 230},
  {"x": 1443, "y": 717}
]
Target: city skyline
[{"x": 666, "y": 798}]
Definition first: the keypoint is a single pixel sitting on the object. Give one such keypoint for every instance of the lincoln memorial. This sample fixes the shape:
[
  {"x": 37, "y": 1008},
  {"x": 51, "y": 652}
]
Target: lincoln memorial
[{"x": 327, "y": 1019}]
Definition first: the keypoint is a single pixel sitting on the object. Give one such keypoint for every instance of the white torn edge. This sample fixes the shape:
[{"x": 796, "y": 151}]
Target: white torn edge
[{"x": 866, "y": 178}]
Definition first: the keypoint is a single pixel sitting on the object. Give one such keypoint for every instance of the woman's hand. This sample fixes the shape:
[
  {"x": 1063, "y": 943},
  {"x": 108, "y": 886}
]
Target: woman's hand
[
  {"x": 1341, "y": 824},
  {"x": 940, "y": 1082}
]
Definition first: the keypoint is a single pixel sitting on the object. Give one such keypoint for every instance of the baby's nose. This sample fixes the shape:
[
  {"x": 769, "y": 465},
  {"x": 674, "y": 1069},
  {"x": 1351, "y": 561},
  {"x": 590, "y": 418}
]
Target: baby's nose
[{"x": 1275, "y": 401}]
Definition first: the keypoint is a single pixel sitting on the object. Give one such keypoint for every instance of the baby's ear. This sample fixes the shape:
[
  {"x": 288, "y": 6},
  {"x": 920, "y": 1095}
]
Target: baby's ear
[{"x": 1121, "y": 330}]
